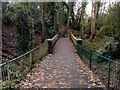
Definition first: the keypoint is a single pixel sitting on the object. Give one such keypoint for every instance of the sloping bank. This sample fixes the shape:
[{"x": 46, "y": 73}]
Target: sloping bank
[
  {"x": 108, "y": 70},
  {"x": 12, "y": 71}
]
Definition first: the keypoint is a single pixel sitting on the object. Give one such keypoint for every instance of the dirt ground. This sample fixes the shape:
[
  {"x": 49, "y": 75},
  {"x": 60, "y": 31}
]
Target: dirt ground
[{"x": 9, "y": 42}]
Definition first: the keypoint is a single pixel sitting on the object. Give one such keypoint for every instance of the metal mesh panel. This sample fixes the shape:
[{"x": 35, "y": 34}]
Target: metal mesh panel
[
  {"x": 105, "y": 68},
  {"x": 13, "y": 70},
  {"x": 100, "y": 67},
  {"x": 115, "y": 75}
]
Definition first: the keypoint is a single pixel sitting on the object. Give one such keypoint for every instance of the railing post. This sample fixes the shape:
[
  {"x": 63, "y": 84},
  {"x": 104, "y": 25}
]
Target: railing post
[
  {"x": 0, "y": 42},
  {"x": 31, "y": 62},
  {"x": 50, "y": 46},
  {"x": 79, "y": 41},
  {"x": 81, "y": 52},
  {"x": 90, "y": 60},
  {"x": 8, "y": 71},
  {"x": 109, "y": 71},
  {"x": 1, "y": 75}
]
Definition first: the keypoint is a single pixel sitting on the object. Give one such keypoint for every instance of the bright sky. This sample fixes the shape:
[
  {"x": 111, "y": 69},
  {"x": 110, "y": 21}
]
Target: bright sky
[{"x": 89, "y": 5}]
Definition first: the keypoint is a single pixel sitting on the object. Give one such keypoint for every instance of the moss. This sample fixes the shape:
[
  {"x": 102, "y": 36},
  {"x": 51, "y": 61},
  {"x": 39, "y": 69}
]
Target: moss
[
  {"x": 19, "y": 71},
  {"x": 19, "y": 76},
  {"x": 97, "y": 42}
]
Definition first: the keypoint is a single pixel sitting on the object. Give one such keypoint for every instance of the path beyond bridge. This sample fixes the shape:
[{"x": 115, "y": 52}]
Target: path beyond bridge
[{"x": 62, "y": 69}]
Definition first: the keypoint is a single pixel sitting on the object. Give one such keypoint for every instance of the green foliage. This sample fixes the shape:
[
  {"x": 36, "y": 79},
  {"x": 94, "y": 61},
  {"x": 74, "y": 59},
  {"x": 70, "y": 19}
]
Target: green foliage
[
  {"x": 52, "y": 18},
  {"x": 51, "y": 33},
  {"x": 97, "y": 43},
  {"x": 109, "y": 24},
  {"x": 21, "y": 16},
  {"x": 114, "y": 21},
  {"x": 6, "y": 14},
  {"x": 88, "y": 26},
  {"x": 16, "y": 74},
  {"x": 104, "y": 31},
  {"x": 107, "y": 37},
  {"x": 23, "y": 23},
  {"x": 101, "y": 21},
  {"x": 75, "y": 24},
  {"x": 74, "y": 21}
]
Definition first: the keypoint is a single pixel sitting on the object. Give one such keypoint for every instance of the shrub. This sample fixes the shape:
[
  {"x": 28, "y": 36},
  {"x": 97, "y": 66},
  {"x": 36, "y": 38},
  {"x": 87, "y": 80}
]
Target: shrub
[
  {"x": 23, "y": 24},
  {"x": 104, "y": 31}
]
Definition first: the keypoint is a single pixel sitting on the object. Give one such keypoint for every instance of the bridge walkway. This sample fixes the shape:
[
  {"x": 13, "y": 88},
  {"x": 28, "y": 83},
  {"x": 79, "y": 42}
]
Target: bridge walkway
[{"x": 62, "y": 69}]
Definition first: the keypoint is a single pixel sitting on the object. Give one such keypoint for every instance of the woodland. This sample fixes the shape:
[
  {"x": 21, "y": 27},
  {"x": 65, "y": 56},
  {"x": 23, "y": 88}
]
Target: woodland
[{"x": 27, "y": 25}]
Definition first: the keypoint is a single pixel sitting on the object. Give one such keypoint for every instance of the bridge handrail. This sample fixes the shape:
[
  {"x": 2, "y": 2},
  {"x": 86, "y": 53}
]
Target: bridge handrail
[
  {"x": 22, "y": 54},
  {"x": 52, "y": 43},
  {"x": 110, "y": 69},
  {"x": 96, "y": 53},
  {"x": 20, "y": 65},
  {"x": 75, "y": 40}
]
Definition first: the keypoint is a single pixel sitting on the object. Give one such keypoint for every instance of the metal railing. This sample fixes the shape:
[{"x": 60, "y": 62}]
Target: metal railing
[
  {"x": 107, "y": 69},
  {"x": 12, "y": 71}
]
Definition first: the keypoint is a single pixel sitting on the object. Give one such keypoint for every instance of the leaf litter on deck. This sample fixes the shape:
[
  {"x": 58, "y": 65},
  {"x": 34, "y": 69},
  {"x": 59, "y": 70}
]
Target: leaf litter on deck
[{"x": 63, "y": 69}]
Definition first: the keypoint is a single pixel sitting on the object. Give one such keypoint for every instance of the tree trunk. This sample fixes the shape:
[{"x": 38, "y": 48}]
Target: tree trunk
[
  {"x": 55, "y": 19},
  {"x": 69, "y": 13},
  {"x": 58, "y": 15},
  {"x": 0, "y": 42},
  {"x": 32, "y": 27},
  {"x": 82, "y": 17},
  {"x": 98, "y": 9},
  {"x": 93, "y": 20},
  {"x": 42, "y": 20},
  {"x": 104, "y": 4}
]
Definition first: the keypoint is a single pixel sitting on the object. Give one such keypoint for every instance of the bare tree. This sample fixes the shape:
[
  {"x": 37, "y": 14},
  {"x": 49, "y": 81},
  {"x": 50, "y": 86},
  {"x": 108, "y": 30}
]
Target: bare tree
[
  {"x": 102, "y": 7},
  {"x": 69, "y": 13},
  {"x": 93, "y": 20},
  {"x": 0, "y": 41},
  {"x": 82, "y": 16}
]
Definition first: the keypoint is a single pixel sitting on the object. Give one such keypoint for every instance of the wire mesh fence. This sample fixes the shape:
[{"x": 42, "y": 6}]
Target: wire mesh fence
[
  {"x": 14, "y": 70},
  {"x": 105, "y": 68}
]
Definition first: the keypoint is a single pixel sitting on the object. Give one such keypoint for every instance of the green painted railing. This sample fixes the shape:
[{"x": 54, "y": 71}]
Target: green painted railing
[
  {"x": 12, "y": 71},
  {"x": 105, "y": 68}
]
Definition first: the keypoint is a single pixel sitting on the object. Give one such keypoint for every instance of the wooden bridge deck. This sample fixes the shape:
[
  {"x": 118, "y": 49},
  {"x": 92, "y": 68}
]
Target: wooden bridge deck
[{"x": 62, "y": 69}]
